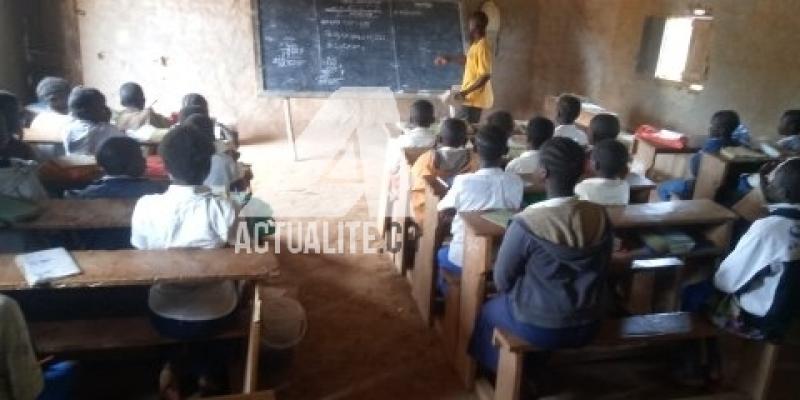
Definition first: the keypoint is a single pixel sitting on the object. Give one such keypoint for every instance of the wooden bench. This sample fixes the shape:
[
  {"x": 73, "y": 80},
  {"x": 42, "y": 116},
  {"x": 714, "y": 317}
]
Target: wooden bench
[
  {"x": 78, "y": 214},
  {"x": 424, "y": 272},
  {"x": 651, "y": 329},
  {"x": 646, "y": 153}
]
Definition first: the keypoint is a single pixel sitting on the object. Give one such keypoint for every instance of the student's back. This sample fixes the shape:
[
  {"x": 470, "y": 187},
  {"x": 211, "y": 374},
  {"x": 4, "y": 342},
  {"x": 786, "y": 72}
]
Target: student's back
[
  {"x": 135, "y": 115},
  {"x": 90, "y": 126},
  {"x": 418, "y": 133}
]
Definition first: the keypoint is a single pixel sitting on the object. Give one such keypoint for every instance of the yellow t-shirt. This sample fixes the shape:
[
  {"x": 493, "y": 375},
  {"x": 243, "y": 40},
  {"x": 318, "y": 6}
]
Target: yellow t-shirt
[{"x": 479, "y": 63}]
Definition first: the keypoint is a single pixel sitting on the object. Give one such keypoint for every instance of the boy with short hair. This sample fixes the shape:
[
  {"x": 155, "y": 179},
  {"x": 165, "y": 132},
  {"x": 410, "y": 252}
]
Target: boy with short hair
[
  {"x": 568, "y": 110},
  {"x": 135, "y": 115},
  {"x": 503, "y": 120},
  {"x": 195, "y": 103},
  {"x": 723, "y": 124},
  {"x": 445, "y": 162},
  {"x": 485, "y": 189},
  {"x": 602, "y": 127},
  {"x": 763, "y": 272},
  {"x": 609, "y": 187},
  {"x": 789, "y": 127},
  {"x": 552, "y": 266},
  {"x": 418, "y": 134},
  {"x": 90, "y": 126},
  {"x": 539, "y": 131},
  {"x": 52, "y": 93},
  {"x": 224, "y": 169}
]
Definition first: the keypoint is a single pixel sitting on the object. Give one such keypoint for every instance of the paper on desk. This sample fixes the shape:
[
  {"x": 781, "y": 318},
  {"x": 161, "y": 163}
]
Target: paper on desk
[{"x": 46, "y": 266}]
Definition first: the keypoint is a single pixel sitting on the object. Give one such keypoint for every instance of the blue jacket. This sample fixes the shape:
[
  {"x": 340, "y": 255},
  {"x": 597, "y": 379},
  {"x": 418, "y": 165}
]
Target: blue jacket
[{"x": 120, "y": 187}]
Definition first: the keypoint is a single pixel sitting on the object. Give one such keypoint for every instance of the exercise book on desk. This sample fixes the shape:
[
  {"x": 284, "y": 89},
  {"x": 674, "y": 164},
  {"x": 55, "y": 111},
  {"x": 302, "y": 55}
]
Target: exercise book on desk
[
  {"x": 499, "y": 217},
  {"x": 46, "y": 266}
]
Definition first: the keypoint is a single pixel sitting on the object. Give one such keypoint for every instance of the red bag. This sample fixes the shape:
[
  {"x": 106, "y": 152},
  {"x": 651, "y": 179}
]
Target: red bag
[
  {"x": 155, "y": 168},
  {"x": 673, "y": 140}
]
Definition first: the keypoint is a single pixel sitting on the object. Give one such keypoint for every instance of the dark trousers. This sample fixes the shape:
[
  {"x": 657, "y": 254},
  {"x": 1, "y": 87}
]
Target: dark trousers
[{"x": 469, "y": 114}]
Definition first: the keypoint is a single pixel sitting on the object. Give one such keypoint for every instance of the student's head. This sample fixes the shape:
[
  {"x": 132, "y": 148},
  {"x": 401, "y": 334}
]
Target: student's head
[
  {"x": 187, "y": 154},
  {"x": 539, "y": 131},
  {"x": 188, "y": 111},
  {"x": 790, "y": 123},
  {"x": 568, "y": 109},
  {"x": 785, "y": 184},
  {"x": 454, "y": 132},
  {"x": 195, "y": 100},
  {"x": 422, "y": 114},
  {"x": 502, "y": 120},
  {"x": 478, "y": 22},
  {"x": 202, "y": 123},
  {"x": 610, "y": 159},
  {"x": 562, "y": 161},
  {"x": 121, "y": 155},
  {"x": 604, "y": 126},
  {"x": 131, "y": 95},
  {"x": 492, "y": 145},
  {"x": 54, "y": 92},
  {"x": 723, "y": 124},
  {"x": 88, "y": 104},
  {"x": 9, "y": 117}
]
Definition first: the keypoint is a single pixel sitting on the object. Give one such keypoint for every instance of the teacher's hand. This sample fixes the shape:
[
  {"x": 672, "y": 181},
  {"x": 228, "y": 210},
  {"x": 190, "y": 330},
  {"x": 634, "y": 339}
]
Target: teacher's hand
[
  {"x": 441, "y": 60},
  {"x": 460, "y": 96}
]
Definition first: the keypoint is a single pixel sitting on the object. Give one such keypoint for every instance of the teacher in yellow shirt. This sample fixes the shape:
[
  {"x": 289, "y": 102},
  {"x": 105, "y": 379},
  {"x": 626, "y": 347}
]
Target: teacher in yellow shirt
[{"x": 476, "y": 87}]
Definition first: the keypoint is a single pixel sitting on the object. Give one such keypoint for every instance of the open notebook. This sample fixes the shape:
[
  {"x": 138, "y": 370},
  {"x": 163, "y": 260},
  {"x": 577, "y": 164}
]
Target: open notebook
[{"x": 46, "y": 266}]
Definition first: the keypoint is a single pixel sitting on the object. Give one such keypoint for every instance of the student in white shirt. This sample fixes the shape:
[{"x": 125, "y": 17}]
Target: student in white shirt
[
  {"x": 52, "y": 115},
  {"x": 789, "y": 128},
  {"x": 224, "y": 169},
  {"x": 603, "y": 127},
  {"x": 187, "y": 215},
  {"x": 763, "y": 271},
  {"x": 90, "y": 126},
  {"x": 489, "y": 188},
  {"x": 610, "y": 164},
  {"x": 539, "y": 131},
  {"x": 568, "y": 110},
  {"x": 419, "y": 134}
]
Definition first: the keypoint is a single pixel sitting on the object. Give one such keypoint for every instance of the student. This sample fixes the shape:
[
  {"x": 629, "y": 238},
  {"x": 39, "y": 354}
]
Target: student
[
  {"x": 609, "y": 187},
  {"x": 221, "y": 131},
  {"x": 602, "y": 127},
  {"x": 539, "y": 131},
  {"x": 723, "y": 124},
  {"x": 135, "y": 115},
  {"x": 790, "y": 128},
  {"x": 568, "y": 110},
  {"x": 503, "y": 120},
  {"x": 485, "y": 189},
  {"x": 11, "y": 130},
  {"x": 445, "y": 162},
  {"x": 123, "y": 164},
  {"x": 19, "y": 176},
  {"x": 52, "y": 93},
  {"x": 476, "y": 86},
  {"x": 224, "y": 169},
  {"x": 551, "y": 269},
  {"x": 419, "y": 133},
  {"x": 90, "y": 126},
  {"x": 187, "y": 215},
  {"x": 763, "y": 272}
]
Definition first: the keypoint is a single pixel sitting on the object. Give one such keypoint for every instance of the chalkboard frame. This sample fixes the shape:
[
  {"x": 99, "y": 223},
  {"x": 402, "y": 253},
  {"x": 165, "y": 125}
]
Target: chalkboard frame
[{"x": 266, "y": 92}]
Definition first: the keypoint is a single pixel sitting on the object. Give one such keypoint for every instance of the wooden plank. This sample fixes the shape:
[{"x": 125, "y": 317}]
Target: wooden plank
[
  {"x": 266, "y": 395},
  {"x": 148, "y": 267},
  {"x": 755, "y": 369},
  {"x": 711, "y": 175},
  {"x": 75, "y": 214},
  {"x": 669, "y": 213},
  {"x": 424, "y": 274},
  {"x": 253, "y": 344}
]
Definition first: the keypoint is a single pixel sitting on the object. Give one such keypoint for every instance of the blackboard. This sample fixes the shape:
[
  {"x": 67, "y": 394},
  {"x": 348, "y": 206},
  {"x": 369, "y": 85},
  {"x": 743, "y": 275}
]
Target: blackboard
[{"x": 322, "y": 45}]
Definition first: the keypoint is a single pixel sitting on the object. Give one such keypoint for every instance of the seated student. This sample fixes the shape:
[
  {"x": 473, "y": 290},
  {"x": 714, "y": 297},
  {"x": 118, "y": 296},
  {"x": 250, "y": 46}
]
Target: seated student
[
  {"x": 488, "y": 188},
  {"x": 123, "y": 164},
  {"x": 723, "y": 124},
  {"x": 568, "y": 110},
  {"x": 18, "y": 172},
  {"x": 221, "y": 131},
  {"x": 503, "y": 120},
  {"x": 445, "y": 162},
  {"x": 790, "y": 128},
  {"x": 602, "y": 127},
  {"x": 52, "y": 93},
  {"x": 136, "y": 115},
  {"x": 419, "y": 133},
  {"x": 539, "y": 131},
  {"x": 224, "y": 169},
  {"x": 551, "y": 269},
  {"x": 11, "y": 145},
  {"x": 763, "y": 272},
  {"x": 609, "y": 187},
  {"x": 90, "y": 126}
]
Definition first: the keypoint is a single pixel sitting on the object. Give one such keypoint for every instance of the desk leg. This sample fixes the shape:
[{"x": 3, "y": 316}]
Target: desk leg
[
  {"x": 287, "y": 116},
  {"x": 477, "y": 260},
  {"x": 253, "y": 345},
  {"x": 424, "y": 274},
  {"x": 646, "y": 155}
]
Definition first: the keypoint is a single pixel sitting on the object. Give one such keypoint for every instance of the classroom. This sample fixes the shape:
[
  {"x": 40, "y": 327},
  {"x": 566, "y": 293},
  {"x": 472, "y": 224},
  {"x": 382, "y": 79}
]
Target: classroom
[{"x": 399, "y": 199}]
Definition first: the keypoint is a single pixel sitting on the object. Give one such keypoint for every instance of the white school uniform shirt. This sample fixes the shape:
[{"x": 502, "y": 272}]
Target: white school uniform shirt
[
  {"x": 85, "y": 138},
  {"x": 573, "y": 132},
  {"x": 769, "y": 243},
  {"x": 416, "y": 138},
  {"x": 186, "y": 217},
  {"x": 603, "y": 191},
  {"x": 484, "y": 189},
  {"x": 526, "y": 163}
]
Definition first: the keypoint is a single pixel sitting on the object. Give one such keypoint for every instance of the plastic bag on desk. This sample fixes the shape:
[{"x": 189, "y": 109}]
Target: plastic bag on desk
[{"x": 662, "y": 137}]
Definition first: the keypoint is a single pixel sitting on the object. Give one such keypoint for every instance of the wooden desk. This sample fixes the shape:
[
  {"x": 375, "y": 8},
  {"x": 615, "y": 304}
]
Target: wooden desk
[
  {"x": 76, "y": 214},
  {"x": 424, "y": 273},
  {"x": 482, "y": 237},
  {"x": 716, "y": 172},
  {"x": 647, "y": 151},
  {"x": 55, "y": 139},
  {"x": 641, "y": 187}
]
